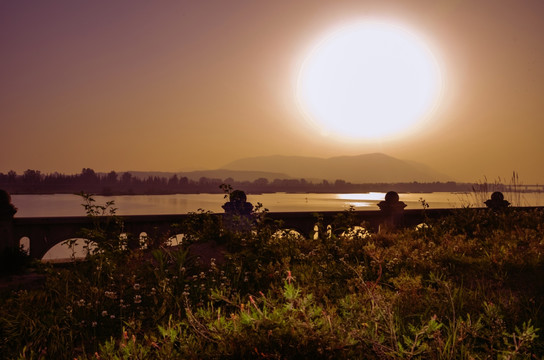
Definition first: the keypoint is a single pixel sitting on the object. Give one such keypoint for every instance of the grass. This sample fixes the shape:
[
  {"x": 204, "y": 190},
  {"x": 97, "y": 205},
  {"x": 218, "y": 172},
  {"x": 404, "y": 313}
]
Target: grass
[{"x": 467, "y": 286}]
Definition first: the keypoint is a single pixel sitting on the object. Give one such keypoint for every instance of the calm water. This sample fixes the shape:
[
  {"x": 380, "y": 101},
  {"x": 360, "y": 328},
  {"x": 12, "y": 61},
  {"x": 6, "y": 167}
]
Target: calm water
[{"x": 70, "y": 205}]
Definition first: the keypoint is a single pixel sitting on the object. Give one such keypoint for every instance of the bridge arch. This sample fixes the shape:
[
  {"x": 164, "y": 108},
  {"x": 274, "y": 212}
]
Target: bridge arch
[
  {"x": 175, "y": 240},
  {"x": 75, "y": 248},
  {"x": 24, "y": 244},
  {"x": 143, "y": 240}
]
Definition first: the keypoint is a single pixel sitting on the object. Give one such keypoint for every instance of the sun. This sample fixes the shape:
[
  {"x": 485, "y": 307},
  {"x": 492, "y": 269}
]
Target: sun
[{"x": 368, "y": 80}]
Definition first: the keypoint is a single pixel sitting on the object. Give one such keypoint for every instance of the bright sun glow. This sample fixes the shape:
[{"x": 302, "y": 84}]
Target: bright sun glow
[{"x": 368, "y": 80}]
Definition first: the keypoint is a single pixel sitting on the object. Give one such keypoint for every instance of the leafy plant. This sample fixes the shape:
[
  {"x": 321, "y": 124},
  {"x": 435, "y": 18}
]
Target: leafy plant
[{"x": 466, "y": 286}]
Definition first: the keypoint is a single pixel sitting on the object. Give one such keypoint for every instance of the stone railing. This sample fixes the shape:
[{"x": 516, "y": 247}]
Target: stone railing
[{"x": 41, "y": 234}]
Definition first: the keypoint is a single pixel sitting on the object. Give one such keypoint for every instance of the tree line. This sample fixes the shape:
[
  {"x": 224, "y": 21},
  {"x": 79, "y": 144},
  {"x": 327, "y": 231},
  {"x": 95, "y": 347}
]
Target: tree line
[{"x": 113, "y": 183}]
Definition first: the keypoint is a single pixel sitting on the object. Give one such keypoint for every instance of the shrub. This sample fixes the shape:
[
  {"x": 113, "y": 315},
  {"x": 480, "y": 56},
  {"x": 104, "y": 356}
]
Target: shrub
[{"x": 467, "y": 286}]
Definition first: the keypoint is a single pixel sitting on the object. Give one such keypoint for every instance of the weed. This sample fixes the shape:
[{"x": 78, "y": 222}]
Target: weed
[{"x": 466, "y": 286}]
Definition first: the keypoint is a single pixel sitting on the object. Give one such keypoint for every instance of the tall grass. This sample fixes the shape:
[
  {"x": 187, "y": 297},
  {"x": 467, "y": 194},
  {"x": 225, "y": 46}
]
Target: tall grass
[
  {"x": 511, "y": 188},
  {"x": 467, "y": 286}
]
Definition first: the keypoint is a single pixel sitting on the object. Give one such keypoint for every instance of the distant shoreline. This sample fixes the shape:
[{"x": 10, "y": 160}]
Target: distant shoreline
[{"x": 36, "y": 183}]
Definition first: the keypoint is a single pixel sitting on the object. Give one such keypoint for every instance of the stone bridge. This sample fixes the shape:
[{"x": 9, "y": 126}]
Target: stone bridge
[{"x": 44, "y": 233}]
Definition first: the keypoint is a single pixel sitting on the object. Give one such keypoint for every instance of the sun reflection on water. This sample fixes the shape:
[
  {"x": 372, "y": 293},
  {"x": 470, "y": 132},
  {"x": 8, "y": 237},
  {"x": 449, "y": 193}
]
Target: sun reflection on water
[
  {"x": 371, "y": 196},
  {"x": 360, "y": 204}
]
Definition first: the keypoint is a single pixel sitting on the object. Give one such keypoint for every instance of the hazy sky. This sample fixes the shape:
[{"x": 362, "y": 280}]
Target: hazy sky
[{"x": 185, "y": 85}]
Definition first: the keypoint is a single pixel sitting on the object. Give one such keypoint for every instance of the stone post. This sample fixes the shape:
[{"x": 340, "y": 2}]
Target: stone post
[
  {"x": 497, "y": 201},
  {"x": 237, "y": 211},
  {"x": 7, "y": 211},
  {"x": 392, "y": 210}
]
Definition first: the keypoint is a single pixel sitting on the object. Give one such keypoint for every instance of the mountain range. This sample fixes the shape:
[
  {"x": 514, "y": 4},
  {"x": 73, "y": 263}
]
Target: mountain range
[{"x": 366, "y": 168}]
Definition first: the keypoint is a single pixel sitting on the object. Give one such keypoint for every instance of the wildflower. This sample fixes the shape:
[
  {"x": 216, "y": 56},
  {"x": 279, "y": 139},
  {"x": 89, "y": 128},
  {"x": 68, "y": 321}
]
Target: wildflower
[
  {"x": 136, "y": 286},
  {"x": 289, "y": 277},
  {"x": 104, "y": 313},
  {"x": 94, "y": 323},
  {"x": 112, "y": 316},
  {"x": 96, "y": 355},
  {"x": 137, "y": 299},
  {"x": 110, "y": 294}
]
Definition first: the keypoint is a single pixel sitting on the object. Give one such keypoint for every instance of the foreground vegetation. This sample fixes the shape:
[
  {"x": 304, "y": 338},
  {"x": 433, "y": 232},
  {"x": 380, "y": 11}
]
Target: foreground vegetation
[{"x": 469, "y": 286}]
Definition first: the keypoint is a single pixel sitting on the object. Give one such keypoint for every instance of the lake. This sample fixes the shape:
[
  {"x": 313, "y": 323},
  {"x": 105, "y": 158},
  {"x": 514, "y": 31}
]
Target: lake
[{"x": 56, "y": 205}]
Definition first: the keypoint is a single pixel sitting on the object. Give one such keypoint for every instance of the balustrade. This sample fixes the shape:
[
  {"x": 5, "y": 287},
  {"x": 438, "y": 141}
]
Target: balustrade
[{"x": 40, "y": 234}]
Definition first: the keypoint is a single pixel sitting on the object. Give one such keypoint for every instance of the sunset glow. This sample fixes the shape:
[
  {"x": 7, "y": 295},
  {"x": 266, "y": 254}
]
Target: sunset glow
[
  {"x": 271, "y": 179},
  {"x": 368, "y": 80},
  {"x": 182, "y": 86}
]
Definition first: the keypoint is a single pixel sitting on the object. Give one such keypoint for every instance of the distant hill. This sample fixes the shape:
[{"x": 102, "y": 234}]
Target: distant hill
[
  {"x": 238, "y": 175},
  {"x": 367, "y": 168}
]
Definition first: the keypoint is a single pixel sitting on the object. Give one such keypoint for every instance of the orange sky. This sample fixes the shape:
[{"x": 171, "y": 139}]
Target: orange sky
[{"x": 184, "y": 85}]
